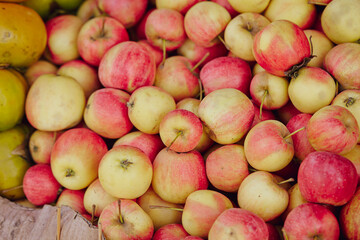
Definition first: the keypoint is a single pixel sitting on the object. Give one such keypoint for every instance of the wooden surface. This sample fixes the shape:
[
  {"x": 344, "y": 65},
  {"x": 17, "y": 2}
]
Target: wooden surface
[{"x": 22, "y": 223}]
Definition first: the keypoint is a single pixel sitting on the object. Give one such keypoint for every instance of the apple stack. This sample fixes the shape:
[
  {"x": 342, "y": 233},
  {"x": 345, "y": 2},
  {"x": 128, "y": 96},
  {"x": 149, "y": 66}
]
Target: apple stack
[{"x": 190, "y": 119}]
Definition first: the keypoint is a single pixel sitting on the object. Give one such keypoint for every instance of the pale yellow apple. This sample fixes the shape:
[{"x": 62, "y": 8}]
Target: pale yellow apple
[
  {"x": 321, "y": 45},
  {"x": 249, "y": 5},
  {"x": 295, "y": 199}
]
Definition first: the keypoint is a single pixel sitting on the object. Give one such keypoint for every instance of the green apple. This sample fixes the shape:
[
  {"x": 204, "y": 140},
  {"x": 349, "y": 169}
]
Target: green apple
[
  {"x": 42, "y": 7},
  {"x": 13, "y": 161},
  {"x": 69, "y": 4}
]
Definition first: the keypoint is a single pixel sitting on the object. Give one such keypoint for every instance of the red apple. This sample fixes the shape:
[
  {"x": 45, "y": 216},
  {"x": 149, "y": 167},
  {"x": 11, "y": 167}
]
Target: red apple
[
  {"x": 227, "y": 6},
  {"x": 173, "y": 231},
  {"x": 140, "y": 26},
  {"x": 39, "y": 185},
  {"x": 328, "y": 178},
  {"x": 285, "y": 113},
  {"x": 156, "y": 52},
  {"x": 354, "y": 157},
  {"x": 349, "y": 217}
]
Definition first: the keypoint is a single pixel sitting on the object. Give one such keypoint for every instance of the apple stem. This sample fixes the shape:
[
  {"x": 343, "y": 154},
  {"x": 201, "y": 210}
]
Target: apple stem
[
  {"x": 165, "y": 207},
  {"x": 336, "y": 87},
  {"x": 11, "y": 189},
  {"x": 164, "y": 51},
  {"x": 179, "y": 133},
  {"x": 200, "y": 90},
  {"x": 58, "y": 224},
  {"x": 249, "y": 27},
  {"x": 69, "y": 172},
  {"x": 99, "y": 231},
  {"x": 223, "y": 42},
  {"x": 262, "y": 103},
  {"x": 120, "y": 216},
  {"x": 286, "y": 181},
  {"x": 294, "y": 132},
  {"x": 200, "y": 62},
  {"x": 252, "y": 169},
  {"x": 285, "y": 235},
  {"x": 93, "y": 214}
]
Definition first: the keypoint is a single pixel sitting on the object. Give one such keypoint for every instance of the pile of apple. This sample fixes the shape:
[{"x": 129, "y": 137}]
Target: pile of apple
[{"x": 189, "y": 119}]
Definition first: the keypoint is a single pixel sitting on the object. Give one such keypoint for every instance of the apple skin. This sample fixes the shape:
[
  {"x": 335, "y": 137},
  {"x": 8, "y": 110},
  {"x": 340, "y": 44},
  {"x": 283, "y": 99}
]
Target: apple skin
[
  {"x": 241, "y": 6},
  {"x": 83, "y": 73},
  {"x": 39, "y": 185},
  {"x": 119, "y": 172},
  {"x": 127, "y": 12},
  {"x": 265, "y": 146},
  {"x": 87, "y": 10},
  {"x": 302, "y": 146},
  {"x": 73, "y": 199},
  {"x": 182, "y": 6},
  {"x": 269, "y": 47},
  {"x": 159, "y": 216},
  {"x": 106, "y": 113},
  {"x": 310, "y": 220},
  {"x": 39, "y": 68},
  {"x": 261, "y": 193},
  {"x": 299, "y": 12},
  {"x": 226, "y": 167},
  {"x": 334, "y": 19},
  {"x": 295, "y": 199},
  {"x": 354, "y": 157},
  {"x": 342, "y": 62},
  {"x": 41, "y": 144},
  {"x": 98, "y": 35},
  {"x": 137, "y": 223},
  {"x": 127, "y": 66},
  {"x": 204, "y": 21},
  {"x": 226, "y": 72},
  {"x": 165, "y": 25},
  {"x": 54, "y": 103},
  {"x": 238, "y": 222},
  {"x": 75, "y": 157},
  {"x": 62, "y": 32},
  {"x": 227, "y": 115},
  {"x": 312, "y": 89},
  {"x": 176, "y": 77},
  {"x": 327, "y": 178},
  {"x": 150, "y": 144},
  {"x": 156, "y": 52},
  {"x": 185, "y": 123},
  {"x": 349, "y": 217},
  {"x": 201, "y": 209},
  {"x": 140, "y": 26},
  {"x": 334, "y": 129},
  {"x": 173, "y": 231},
  {"x": 227, "y": 6},
  {"x": 176, "y": 175},
  {"x": 96, "y": 195}
]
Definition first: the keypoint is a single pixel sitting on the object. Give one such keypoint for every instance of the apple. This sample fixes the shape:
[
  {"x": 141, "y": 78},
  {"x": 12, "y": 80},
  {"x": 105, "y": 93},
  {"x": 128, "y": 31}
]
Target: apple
[
  {"x": 349, "y": 217},
  {"x": 97, "y": 36},
  {"x": 295, "y": 199},
  {"x": 269, "y": 91},
  {"x": 263, "y": 194},
  {"x": 73, "y": 199},
  {"x": 226, "y": 167},
  {"x": 96, "y": 197},
  {"x": 182, "y": 6},
  {"x": 227, "y": 115},
  {"x": 204, "y": 21},
  {"x": 37, "y": 69},
  {"x": 239, "y": 223},
  {"x": 62, "y": 32},
  {"x": 69, "y": 4},
  {"x": 41, "y": 144},
  {"x": 242, "y": 29},
  {"x": 161, "y": 216},
  {"x": 180, "y": 130},
  {"x": 268, "y": 146},
  {"x": 334, "y": 129},
  {"x": 42, "y": 7},
  {"x": 120, "y": 170},
  {"x": 177, "y": 76},
  {"x": 328, "y": 178},
  {"x": 299, "y": 12},
  {"x": 82, "y": 73},
  {"x": 147, "y": 106},
  {"x": 227, "y": 6},
  {"x": 310, "y": 220},
  {"x": 354, "y": 157},
  {"x": 54, "y": 103},
  {"x": 106, "y": 113},
  {"x": 201, "y": 209},
  {"x": 349, "y": 100},
  {"x": 128, "y": 12},
  {"x": 321, "y": 45},
  {"x": 342, "y": 62},
  {"x": 256, "y": 69},
  {"x": 164, "y": 28},
  {"x": 335, "y": 18},
  {"x": 39, "y": 185},
  {"x": 281, "y": 48},
  {"x": 226, "y": 72},
  {"x": 176, "y": 175},
  {"x": 285, "y": 113},
  {"x": 127, "y": 66},
  {"x": 75, "y": 157},
  {"x": 302, "y": 146},
  {"x": 156, "y": 52},
  {"x": 140, "y": 26},
  {"x": 257, "y": 6},
  {"x": 312, "y": 89},
  {"x": 196, "y": 53},
  {"x": 150, "y": 144},
  {"x": 87, "y": 10},
  {"x": 26, "y": 203},
  {"x": 172, "y": 231},
  {"x": 125, "y": 219}
]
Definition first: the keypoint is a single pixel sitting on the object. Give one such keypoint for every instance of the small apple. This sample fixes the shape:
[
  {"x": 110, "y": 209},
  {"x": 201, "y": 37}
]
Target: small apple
[
  {"x": 73, "y": 199},
  {"x": 37, "y": 69},
  {"x": 354, "y": 157},
  {"x": 87, "y": 10},
  {"x": 41, "y": 144},
  {"x": 349, "y": 217},
  {"x": 174, "y": 231},
  {"x": 295, "y": 199}
]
